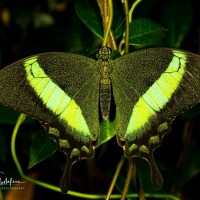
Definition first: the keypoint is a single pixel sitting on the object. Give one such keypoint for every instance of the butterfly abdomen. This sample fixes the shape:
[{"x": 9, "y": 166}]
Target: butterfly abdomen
[
  {"x": 105, "y": 68},
  {"x": 105, "y": 96}
]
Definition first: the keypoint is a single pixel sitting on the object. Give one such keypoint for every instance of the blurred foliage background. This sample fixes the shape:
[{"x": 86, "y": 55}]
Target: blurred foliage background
[{"x": 32, "y": 27}]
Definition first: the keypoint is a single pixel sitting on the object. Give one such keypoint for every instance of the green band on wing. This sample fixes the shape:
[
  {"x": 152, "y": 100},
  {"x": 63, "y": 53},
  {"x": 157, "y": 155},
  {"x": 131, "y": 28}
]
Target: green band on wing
[
  {"x": 54, "y": 98},
  {"x": 157, "y": 96}
]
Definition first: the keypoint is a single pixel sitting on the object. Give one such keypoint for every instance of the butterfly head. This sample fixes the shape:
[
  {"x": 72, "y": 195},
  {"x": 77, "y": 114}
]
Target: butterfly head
[{"x": 104, "y": 54}]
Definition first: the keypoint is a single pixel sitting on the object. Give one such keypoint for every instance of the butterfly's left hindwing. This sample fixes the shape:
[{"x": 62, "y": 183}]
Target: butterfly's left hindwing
[
  {"x": 151, "y": 87},
  {"x": 59, "y": 90}
]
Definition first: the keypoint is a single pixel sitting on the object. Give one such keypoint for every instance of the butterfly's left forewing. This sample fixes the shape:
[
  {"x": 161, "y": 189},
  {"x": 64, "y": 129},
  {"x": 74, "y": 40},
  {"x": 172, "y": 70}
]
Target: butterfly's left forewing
[
  {"x": 151, "y": 87},
  {"x": 59, "y": 90}
]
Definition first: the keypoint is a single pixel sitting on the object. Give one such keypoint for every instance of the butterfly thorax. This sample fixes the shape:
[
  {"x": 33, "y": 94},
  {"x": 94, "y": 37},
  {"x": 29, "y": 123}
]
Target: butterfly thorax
[{"x": 105, "y": 68}]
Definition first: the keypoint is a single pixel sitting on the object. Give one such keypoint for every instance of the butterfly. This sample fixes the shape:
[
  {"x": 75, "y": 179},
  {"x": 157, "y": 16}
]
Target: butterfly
[{"x": 67, "y": 92}]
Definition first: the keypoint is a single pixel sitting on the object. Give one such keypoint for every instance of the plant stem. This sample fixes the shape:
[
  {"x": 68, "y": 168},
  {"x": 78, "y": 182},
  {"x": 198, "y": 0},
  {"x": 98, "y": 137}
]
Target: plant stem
[
  {"x": 127, "y": 26},
  {"x": 106, "y": 8},
  {"x": 112, "y": 185},
  {"x": 128, "y": 178}
]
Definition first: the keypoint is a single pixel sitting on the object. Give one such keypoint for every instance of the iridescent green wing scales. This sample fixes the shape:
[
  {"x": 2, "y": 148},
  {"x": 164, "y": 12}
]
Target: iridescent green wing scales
[
  {"x": 59, "y": 90},
  {"x": 151, "y": 87}
]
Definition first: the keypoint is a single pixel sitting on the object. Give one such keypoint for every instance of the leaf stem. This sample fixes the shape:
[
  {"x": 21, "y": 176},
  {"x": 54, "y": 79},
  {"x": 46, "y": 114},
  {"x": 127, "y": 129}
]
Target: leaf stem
[
  {"x": 127, "y": 26},
  {"x": 109, "y": 24},
  {"x": 16, "y": 161},
  {"x": 20, "y": 120},
  {"x": 106, "y": 8},
  {"x": 132, "y": 9},
  {"x": 128, "y": 178},
  {"x": 116, "y": 174}
]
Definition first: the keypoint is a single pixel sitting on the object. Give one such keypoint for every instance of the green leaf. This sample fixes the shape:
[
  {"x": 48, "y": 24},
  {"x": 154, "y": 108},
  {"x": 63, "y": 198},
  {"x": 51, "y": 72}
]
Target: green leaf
[
  {"x": 118, "y": 21},
  {"x": 9, "y": 116},
  {"x": 144, "y": 32},
  {"x": 107, "y": 131},
  {"x": 89, "y": 13},
  {"x": 177, "y": 18},
  {"x": 42, "y": 148}
]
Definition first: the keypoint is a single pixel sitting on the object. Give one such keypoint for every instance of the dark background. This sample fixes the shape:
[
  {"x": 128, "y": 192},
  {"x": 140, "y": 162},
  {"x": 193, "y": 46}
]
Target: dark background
[{"x": 32, "y": 27}]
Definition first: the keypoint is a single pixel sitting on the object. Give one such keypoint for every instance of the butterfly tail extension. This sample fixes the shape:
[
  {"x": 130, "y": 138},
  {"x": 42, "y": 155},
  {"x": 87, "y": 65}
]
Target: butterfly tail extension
[
  {"x": 65, "y": 180},
  {"x": 75, "y": 156},
  {"x": 144, "y": 148},
  {"x": 74, "y": 151},
  {"x": 156, "y": 176}
]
